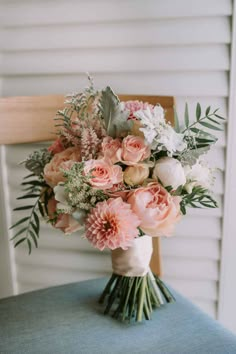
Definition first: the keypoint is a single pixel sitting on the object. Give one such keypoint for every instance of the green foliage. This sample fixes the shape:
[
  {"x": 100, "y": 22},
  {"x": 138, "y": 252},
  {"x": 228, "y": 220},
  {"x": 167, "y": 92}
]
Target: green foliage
[
  {"x": 36, "y": 161},
  {"x": 210, "y": 119},
  {"x": 114, "y": 118},
  {"x": 198, "y": 198},
  {"x": 28, "y": 227}
]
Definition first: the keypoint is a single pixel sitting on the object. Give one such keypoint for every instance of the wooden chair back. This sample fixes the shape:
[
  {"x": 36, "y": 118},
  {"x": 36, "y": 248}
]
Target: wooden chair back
[{"x": 30, "y": 119}]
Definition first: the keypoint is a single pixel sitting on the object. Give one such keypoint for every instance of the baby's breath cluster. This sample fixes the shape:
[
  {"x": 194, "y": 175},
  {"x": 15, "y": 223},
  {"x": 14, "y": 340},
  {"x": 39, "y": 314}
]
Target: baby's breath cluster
[{"x": 80, "y": 193}]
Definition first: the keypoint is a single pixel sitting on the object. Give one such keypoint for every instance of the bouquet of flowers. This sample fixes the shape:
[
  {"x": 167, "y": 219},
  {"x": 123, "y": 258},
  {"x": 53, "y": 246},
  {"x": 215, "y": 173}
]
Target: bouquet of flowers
[{"x": 124, "y": 174}]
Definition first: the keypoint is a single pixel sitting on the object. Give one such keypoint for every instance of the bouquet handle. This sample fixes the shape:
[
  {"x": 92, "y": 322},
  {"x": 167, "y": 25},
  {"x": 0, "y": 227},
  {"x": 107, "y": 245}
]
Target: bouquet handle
[{"x": 133, "y": 290}]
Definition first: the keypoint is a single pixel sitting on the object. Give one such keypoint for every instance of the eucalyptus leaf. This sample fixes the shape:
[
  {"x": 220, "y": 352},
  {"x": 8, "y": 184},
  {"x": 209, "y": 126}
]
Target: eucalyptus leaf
[{"x": 109, "y": 103}]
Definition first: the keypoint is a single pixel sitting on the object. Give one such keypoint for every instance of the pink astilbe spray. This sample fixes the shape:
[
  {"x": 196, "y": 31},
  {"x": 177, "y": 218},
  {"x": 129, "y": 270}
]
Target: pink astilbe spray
[
  {"x": 90, "y": 143},
  {"x": 111, "y": 225}
]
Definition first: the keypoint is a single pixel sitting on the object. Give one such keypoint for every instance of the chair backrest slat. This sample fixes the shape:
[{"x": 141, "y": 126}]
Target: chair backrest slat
[{"x": 30, "y": 119}]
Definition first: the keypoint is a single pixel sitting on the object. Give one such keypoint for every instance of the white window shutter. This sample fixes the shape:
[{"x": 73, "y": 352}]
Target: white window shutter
[{"x": 163, "y": 47}]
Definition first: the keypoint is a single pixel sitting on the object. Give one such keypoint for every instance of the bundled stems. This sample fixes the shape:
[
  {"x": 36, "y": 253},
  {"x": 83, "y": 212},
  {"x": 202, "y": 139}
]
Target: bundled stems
[{"x": 134, "y": 298}]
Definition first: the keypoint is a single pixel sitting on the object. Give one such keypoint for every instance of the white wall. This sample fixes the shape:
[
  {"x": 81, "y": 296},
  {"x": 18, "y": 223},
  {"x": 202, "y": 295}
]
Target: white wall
[{"x": 177, "y": 48}]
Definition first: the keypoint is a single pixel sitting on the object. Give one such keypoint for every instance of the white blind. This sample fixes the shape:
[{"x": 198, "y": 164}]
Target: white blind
[{"x": 168, "y": 48}]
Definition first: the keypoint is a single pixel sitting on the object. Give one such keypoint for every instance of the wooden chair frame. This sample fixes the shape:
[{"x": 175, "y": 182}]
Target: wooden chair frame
[{"x": 30, "y": 119}]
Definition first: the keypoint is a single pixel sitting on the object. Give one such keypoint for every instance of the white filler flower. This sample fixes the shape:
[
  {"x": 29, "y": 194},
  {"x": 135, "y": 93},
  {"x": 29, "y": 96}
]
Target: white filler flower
[
  {"x": 159, "y": 134},
  {"x": 199, "y": 174}
]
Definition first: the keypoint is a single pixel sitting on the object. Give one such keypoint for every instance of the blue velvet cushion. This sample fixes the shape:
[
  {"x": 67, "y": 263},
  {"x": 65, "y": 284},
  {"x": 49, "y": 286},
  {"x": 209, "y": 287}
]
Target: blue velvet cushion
[{"x": 68, "y": 319}]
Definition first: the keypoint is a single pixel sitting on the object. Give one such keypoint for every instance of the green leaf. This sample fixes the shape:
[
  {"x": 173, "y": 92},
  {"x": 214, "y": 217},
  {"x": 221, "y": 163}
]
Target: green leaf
[
  {"x": 217, "y": 115},
  {"x": 186, "y": 116},
  {"x": 34, "y": 227},
  {"x": 34, "y": 238},
  {"x": 176, "y": 121},
  {"x": 109, "y": 102},
  {"x": 213, "y": 120},
  {"x": 21, "y": 221},
  {"x": 182, "y": 208},
  {"x": 27, "y": 196},
  {"x": 36, "y": 218},
  {"x": 204, "y": 140},
  {"x": 28, "y": 176},
  {"x": 19, "y": 233},
  {"x": 178, "y": 191},
  {"x": 29, "y": 245},
  {"x": 210, "y": 126},
  {"x": 41, "y": 209},
  {"x": 20, "y": 241},
  {"x": 198, "y": 111},
  {"x": 33, "y": 183},
  {"x": 200, "y": 146},
  {"x": 26, "y": 207},
  {"x": 208, "y": 110}
]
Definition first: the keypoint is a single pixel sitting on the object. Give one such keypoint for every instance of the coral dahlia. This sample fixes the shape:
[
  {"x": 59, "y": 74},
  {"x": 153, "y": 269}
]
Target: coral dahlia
[{"x": 112, "y": 224}]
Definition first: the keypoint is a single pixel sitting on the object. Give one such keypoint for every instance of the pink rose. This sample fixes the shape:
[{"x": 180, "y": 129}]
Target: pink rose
[
  {"x": 104, "y": 174},
  {"x": 63, "y": 160},
  {"x": 64, "y": 222},
  {"x": 56, "y": 147},
  {"x": 133, "y": 150},
  {"x": 156, "y": 208},
  {"x": 110, "y": 147}
]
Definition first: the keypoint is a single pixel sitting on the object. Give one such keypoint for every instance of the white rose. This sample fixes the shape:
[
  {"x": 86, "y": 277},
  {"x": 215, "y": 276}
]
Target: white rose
[
  {"x": 170, "y": 172},
  {"x": 199, "y": 175}
]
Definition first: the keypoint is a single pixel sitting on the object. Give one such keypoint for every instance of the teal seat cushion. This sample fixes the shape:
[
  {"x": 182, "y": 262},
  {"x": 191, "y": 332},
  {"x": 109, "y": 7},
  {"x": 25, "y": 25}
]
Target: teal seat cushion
[{"x": 68, "y": 319}]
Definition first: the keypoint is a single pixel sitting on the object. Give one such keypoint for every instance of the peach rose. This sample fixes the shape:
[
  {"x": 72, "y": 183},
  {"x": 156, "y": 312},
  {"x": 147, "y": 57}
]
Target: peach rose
[
  {"x": 64, "y": 222},
  {"x": 63, "y": 160},
  {"x": 134, "y": 175},
  {"x": 133, "y": 150},
  {"x": 156, "y": 208},
  {"x": 104, "y": 173},
  {"x": 56, "y": 147},
  {"x": 110, "y": 147}
]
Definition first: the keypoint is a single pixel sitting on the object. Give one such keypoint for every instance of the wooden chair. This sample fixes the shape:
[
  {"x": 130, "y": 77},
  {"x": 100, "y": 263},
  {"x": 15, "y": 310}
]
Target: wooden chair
[{"x": 30, "y": 119}]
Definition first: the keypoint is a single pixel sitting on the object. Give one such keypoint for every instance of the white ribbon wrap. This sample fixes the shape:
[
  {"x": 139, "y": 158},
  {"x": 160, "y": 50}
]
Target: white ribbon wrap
[{"x": 134, "y": 262}]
